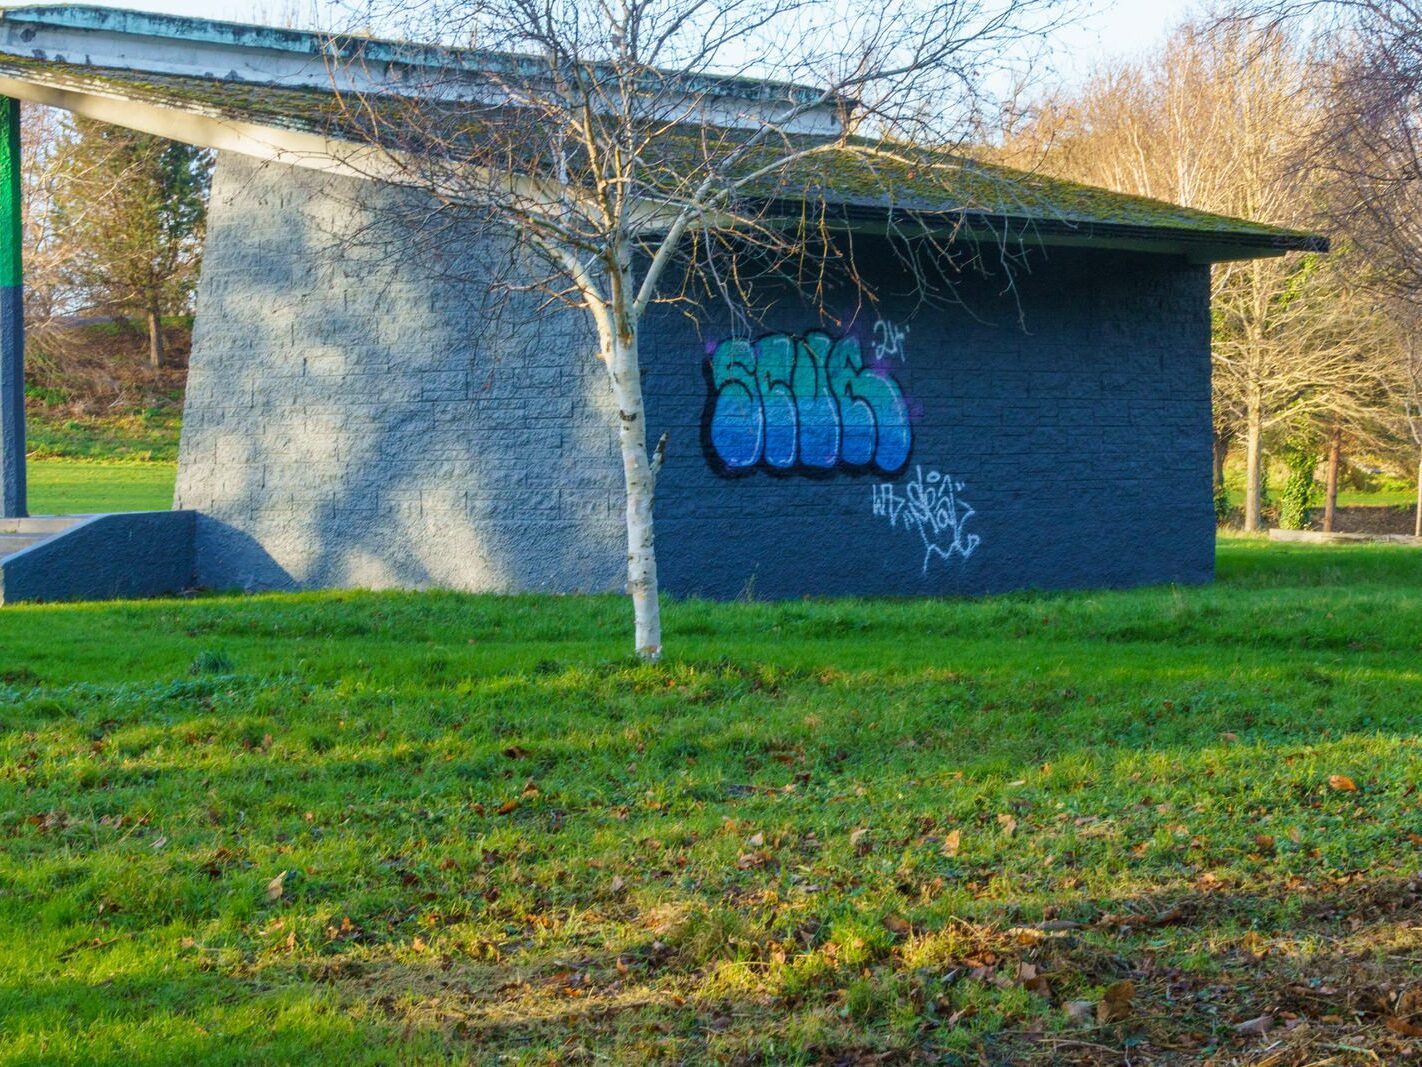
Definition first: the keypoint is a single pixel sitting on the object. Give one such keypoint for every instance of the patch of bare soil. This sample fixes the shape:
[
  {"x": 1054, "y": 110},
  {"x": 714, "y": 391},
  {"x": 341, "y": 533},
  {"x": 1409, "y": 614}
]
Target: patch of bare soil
[{"x": 1373, "y": 520}]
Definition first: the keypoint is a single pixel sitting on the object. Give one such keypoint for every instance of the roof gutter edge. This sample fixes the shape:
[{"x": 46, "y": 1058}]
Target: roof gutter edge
[{"x": 978, "y": 226}]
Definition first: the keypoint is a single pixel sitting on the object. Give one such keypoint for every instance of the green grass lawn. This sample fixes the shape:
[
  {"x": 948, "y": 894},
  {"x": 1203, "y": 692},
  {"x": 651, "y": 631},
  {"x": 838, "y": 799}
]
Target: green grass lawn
[
  {"x": 137, "y": 436},
  {"x": 1110, "y": 827},
  {"x": 1390, "y": 493},
  {"x": 82, "y": 487}
]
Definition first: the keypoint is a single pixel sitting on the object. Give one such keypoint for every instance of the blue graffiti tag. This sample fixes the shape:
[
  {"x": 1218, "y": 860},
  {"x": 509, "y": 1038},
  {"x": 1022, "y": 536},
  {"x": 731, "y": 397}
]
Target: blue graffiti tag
[{"x": 808, "y": 402}]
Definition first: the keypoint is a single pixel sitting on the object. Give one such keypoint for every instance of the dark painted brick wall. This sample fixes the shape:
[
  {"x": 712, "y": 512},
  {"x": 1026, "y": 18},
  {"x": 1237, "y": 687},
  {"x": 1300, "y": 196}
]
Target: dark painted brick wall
[{"x": 1080, "y": 436}]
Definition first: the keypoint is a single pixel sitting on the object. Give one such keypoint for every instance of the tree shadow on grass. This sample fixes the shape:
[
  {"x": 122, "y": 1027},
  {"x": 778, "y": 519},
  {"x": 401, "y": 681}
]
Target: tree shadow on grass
[{"x": 1282, "y": 975}]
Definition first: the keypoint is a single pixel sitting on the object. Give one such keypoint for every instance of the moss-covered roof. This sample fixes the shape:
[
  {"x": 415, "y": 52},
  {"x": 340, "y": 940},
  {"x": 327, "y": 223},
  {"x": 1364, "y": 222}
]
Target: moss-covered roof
[{"x": 858, "y": 178}]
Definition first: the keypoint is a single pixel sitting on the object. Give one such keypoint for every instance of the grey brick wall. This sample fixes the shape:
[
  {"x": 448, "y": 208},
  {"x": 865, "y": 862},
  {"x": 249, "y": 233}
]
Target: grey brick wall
[{"x": 351, "y": 420}]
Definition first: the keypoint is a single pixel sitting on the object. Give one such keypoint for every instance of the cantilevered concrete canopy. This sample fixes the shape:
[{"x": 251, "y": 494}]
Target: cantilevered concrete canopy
[{"x": 276, "y": 95}]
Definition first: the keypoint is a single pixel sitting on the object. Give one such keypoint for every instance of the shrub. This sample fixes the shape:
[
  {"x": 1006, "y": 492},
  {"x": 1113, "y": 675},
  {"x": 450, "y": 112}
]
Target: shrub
[{"x": 1300, "y": 490}]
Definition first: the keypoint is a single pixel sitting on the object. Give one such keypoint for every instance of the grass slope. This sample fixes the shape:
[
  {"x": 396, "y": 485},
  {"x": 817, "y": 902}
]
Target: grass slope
[
  {"x": 78, "y": 487},
  {"x": 360, "y": 828},
  {"x": 137, "y": 438}
]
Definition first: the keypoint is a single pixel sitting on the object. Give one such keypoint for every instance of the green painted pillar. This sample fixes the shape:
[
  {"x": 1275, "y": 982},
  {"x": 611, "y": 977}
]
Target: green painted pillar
[{"x": 12, "y": 319}]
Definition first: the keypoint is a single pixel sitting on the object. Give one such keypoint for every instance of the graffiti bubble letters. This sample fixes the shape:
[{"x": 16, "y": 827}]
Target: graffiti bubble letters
[
  {"x": 889, "y": 341},
  {"x": 806, "y": 403},
  {"x": 930, "y": 505}
]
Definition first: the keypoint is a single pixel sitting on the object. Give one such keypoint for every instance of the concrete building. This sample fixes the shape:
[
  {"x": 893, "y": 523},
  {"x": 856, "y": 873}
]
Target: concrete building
[{"x": 351, "y": 421}]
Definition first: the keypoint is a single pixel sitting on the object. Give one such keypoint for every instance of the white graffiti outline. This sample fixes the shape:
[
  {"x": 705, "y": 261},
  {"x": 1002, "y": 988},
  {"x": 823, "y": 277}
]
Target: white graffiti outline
[
  {"x": 930, "y": 505},
  {"x": 889, "y": 341}
]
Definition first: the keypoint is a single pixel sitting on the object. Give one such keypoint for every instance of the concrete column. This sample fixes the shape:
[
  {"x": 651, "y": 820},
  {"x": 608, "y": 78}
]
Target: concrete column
[{"x": 12, "y": 319}]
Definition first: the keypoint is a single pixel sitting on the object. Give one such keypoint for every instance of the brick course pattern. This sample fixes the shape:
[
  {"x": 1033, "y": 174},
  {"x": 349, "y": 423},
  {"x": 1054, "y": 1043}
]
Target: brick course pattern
[{"x": 352, "y": 419}]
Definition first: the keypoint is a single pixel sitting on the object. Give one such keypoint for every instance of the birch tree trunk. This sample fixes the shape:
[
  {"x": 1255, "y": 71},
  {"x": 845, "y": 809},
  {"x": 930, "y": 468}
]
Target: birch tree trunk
[
  {"x": 1254, "y": 465},
  {"x": 1330, "y": 504},
  {"x": 640, "y": 475}
]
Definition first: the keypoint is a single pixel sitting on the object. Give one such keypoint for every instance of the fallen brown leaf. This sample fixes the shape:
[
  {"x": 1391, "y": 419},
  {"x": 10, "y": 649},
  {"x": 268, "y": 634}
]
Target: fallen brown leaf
[
  {"x": 1256, "y": 1027},
  {"x": 275, "y": 887},
  {"x": 898, "y": 925},
  {"x": 1134, "y": 920},
  {"x": 1342, "y": 783},
  {"x": 1409, "y": 1003},
  {"x": 951, "y": 842},
  {"x": 1116, "y": 1002}
]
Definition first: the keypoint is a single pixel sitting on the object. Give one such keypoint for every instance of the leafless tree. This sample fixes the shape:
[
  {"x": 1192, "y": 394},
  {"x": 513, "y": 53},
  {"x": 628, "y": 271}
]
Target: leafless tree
[
  {"x": 46, "y": 256},
  {"x": 1224, "y": 118},
  {"x": 1370, "y": 143},
  {"x": 1405, "y": 423},
  {"x": 1412, "y": 409},
  {"x": 639, "y": 152}
]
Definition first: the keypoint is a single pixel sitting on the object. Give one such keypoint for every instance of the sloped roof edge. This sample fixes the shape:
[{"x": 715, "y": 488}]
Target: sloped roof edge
[{"x": 1052, "y": 210}]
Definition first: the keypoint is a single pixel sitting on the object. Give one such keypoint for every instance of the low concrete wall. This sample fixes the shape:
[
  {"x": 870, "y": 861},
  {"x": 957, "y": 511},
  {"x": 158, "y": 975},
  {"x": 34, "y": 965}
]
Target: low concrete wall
[
  {"x": 1317, "y": 537},
  {"x": 135, "y": 554}
]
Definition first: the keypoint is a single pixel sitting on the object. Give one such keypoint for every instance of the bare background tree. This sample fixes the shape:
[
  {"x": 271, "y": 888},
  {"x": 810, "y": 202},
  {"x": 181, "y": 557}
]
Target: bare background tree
[
  {"x": 1227, "y": 116},
  {"x": 603, "y": 140},
  {"x": 46, "y": 254},
  {"x": 1369, "y": 146},
  {"x": 1412, "y": 407}
]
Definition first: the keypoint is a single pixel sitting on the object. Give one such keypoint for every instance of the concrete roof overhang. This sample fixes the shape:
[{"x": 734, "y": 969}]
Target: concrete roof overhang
[{"x": 259, "y": 92}]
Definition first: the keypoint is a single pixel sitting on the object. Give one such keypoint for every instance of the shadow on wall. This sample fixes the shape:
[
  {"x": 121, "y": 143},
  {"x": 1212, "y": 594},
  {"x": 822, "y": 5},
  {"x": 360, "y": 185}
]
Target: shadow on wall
[
  {"x": 259, "y": 571},
  {"x": 364, "y": 412}
]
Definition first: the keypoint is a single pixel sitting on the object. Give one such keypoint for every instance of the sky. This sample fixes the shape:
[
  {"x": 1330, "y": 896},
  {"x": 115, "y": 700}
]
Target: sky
[
  {"x": 1115, "y": 28},
  {"x": 1108, "y": 28}
]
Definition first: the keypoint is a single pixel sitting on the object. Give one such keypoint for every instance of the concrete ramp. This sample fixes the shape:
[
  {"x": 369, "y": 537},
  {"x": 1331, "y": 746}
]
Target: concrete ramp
[{"x": 95, "y": 557}]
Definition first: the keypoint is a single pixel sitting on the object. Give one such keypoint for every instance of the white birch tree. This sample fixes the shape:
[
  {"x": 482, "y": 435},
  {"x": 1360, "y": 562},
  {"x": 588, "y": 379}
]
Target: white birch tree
[{"x": 648, "y": 151}]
